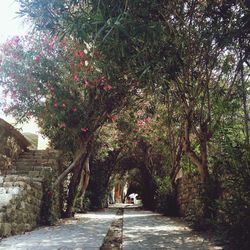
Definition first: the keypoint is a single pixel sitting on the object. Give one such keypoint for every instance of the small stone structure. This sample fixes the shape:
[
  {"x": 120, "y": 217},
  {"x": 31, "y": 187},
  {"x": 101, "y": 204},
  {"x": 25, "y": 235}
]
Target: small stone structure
[{"x": 26, "y": 176}]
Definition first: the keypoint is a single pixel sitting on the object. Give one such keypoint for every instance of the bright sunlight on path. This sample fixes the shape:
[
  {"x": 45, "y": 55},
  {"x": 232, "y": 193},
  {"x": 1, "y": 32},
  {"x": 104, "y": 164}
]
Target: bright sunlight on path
[
  {"x": 85, "y": 233},
  {"x": 141, "y": 230},
  {"x": 148, "y": 230}
]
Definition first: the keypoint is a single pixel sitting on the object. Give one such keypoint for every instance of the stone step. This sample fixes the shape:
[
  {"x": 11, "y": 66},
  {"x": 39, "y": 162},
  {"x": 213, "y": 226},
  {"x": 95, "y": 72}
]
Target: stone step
[
  {"x": 24, "y": 168},
  {"x": 29, "y": 164},
  {"x": 33, "y": 174},
  {"x": 42, "y": 158},
  {"x": 23, "y": 171},
  {"x": 40, "y": 152},
  {"x": 26, "y": 158},
  {"x": 19, "y": 172}
]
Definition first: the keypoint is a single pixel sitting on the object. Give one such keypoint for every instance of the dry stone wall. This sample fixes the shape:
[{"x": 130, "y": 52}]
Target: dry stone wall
[
  {"x": 12, "y": 143},
  {"x": 26, "y": 176},
  {"x": 26, "y": 197},
  {"x": 20, "y": 204},
  {"x": 9, "y": 151}
]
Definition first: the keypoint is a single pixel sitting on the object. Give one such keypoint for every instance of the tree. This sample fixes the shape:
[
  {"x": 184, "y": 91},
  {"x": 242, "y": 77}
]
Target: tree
[
  {"x": 61, "y": 84},
  {"x": 180, "y": 44}
]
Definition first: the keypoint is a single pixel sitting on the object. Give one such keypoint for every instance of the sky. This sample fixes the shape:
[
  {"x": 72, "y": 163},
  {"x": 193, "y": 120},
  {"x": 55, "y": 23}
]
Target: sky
[{"x": 12, "y": 25}]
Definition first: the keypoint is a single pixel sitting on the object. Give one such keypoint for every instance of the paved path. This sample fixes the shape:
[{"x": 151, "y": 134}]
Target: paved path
[
  {"x": 87, "y": 232},
  {"x": 148, "y": 230},
  {"x": 141, "y": 230}
]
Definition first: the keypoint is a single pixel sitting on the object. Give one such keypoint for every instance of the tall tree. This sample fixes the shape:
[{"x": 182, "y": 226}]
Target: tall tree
[{"x": 61, "y": 84}]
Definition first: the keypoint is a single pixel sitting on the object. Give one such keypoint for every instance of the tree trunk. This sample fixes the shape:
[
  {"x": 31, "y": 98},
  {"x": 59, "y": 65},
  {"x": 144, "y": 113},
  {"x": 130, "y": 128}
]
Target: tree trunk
[
  {"x": 200, "y": 161},
  {"x": 84, "y": 180},
  {"x": 176, "y": 163},
  {"x": 73, "y": 187},
  {"x": 203, "y": 168}
]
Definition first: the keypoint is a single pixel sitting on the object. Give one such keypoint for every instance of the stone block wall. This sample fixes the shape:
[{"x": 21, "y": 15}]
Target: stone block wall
[
  {"x": 46, "y": 165},
  {"x": 26, "y": 176},
  {"x": 189, "y": 196},
  {"x": 20, "y": 204},
  {"x": 26, "y": 196},
  {"x": 9, "y": 151},
  {"x": 12, "y": 143}
]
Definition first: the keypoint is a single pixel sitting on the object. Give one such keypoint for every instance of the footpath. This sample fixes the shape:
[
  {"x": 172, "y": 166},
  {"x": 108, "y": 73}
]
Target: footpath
[{"x": 115, "y": 228}]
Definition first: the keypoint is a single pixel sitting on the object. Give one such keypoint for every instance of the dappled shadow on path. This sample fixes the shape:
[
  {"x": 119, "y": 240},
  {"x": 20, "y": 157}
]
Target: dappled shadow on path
[
  {"x": 86, "y": 232},
  {"x": 148, "y": 230}
]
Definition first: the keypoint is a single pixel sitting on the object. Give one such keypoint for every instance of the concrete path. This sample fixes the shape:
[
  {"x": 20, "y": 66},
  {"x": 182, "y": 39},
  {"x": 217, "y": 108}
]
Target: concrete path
[
  {"x": 86, "y": 232},
  {"x": 147, "y": 230},
  {"x": 141, "y": 230}
]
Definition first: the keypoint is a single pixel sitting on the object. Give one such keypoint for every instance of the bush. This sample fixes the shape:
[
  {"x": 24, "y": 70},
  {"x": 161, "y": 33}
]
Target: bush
[
  {"x": 233, "y": 206},
  {"x": 165, "y": 198}
]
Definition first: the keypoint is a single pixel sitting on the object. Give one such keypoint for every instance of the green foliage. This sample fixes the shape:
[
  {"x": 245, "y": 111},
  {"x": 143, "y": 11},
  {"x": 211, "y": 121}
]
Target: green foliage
[
  {"x": 33, "y": 138},
  {"x": 98, "y": 188},
  {"x": 165, "y": 199},
  {"x": 233, "y": 206},
  {"x": 186, "y": 65},
  {"x": 50, "y": 211}
]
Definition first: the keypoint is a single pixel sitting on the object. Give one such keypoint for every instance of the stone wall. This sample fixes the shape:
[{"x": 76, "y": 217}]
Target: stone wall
[
  {"x": 46, "y": 165},
  {"x": 12, "y": 143},
  {"x": 189, "y": 196},
  {"x": 9, "y": 151},
  {"x": 26, "y": 176},
  {"x": 26, "y": 196},
  {"x": 20, "y": 204}
]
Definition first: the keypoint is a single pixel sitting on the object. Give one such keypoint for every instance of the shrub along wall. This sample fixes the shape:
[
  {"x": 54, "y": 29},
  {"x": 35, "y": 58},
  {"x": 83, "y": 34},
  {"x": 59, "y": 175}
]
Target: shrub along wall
[
  {"x": 189, "y": 196},
  {"x": 229, "y": 206}
]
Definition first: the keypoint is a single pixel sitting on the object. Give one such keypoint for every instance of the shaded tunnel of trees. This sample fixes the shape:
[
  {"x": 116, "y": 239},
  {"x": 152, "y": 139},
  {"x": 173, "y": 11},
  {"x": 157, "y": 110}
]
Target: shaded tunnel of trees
[{"x": 158, "y": 86}]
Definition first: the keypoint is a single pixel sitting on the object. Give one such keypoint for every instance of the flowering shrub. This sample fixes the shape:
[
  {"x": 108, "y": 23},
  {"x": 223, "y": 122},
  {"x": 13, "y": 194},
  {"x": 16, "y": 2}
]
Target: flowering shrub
[{"x": 59, "y": 82}]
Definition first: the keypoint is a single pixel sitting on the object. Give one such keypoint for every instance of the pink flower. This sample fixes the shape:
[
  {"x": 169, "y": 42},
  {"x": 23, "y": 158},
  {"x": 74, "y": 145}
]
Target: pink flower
[
  {"x": 113, "y": 118},
  {"x": 81, "y": 54},
  {"x": 56, "y": 104},
  {"x": 76, "y": 77},
  {"x": 140, "y": 123},
  {"x": 37, "y": 59},
  {"x": 51, "y": 45},
  {"x": 13, "y": 94},
  {"x": 84, "y": 129},
  {"x": 107, "y": 87},
  {"x": 88, "y": 84},
  {"x": 62, "y": 125},
  {"x": 15, "y": 40},
  {"x": 74, "y": 110},
  {"x": 64, "y": 105},
  {"x": 6, "y": 93},
  {"x": 101, "y": 80},
  {"x": 148, "y": 119}
]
